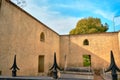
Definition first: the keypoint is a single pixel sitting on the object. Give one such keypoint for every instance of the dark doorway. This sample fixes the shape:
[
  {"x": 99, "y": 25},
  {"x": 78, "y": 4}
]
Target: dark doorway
[
  {"x": 86, "y": 60},
  {"x": 41, "y": 63}
]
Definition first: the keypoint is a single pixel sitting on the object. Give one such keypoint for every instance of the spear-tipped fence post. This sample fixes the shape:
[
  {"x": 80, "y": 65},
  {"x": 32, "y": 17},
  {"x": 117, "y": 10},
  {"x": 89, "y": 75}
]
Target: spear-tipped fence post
[
  {"x": 54, "y": 68},
  {"x": 14, "y": 68},
  {"x": 113, "y": 68}
]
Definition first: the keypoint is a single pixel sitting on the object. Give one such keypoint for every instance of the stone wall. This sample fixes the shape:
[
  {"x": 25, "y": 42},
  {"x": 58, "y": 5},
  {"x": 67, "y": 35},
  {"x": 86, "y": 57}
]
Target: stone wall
[
  {"x": 20, "y": 35},
  {"x": 99, "y": 48}
]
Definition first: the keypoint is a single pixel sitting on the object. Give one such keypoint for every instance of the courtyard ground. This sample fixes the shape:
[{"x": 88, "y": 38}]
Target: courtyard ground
[{"x": 50, "y": 78}]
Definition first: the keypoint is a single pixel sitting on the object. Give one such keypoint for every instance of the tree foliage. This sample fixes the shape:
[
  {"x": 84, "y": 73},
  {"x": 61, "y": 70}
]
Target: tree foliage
[{"x": 89, "y": 25}]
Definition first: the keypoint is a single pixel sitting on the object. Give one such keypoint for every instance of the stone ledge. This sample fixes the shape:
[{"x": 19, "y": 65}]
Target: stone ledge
[
  {"x": 77, "y": 76},
  {"x": 24, "y": 78},
  {"x": 76, "y": 73}
]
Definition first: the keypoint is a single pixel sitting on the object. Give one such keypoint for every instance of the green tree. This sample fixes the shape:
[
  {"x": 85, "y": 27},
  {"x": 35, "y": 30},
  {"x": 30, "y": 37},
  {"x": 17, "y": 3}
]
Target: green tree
[{"x": 89, "y": 25}]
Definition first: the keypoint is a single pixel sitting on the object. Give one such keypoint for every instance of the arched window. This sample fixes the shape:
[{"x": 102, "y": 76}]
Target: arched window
[
  {"x": 42, "y": 37},
  {"x": 85, "y": 42}
]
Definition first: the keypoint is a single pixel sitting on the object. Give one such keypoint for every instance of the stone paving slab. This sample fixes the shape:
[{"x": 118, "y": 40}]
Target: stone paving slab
[
  {"x": 63, "y": 76},
  {"x": 107, "y": 76},
  {"x": 24, "y": 78},
  {"x": 38, "y": 78},
  {"x": 89, "y": 77}
]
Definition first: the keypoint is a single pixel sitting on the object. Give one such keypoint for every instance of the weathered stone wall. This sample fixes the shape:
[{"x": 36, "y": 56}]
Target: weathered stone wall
[
  {"x": 20, "y": 35},
  {"x": 99, "y": 48}
]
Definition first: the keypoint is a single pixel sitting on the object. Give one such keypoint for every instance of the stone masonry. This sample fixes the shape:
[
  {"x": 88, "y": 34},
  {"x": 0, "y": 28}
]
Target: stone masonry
[{"x": 20, "y": 34}]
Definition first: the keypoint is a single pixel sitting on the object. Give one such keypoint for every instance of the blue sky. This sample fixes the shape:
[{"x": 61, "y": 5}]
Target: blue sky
[{"x": 62, "y": 15}]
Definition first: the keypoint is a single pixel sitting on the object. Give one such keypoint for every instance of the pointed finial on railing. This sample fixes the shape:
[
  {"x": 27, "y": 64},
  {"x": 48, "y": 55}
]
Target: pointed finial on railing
[
  {"x": 113, "y": 68},
  {"x": 55, "y": 67},
  {"x": 14, "y": 67}
]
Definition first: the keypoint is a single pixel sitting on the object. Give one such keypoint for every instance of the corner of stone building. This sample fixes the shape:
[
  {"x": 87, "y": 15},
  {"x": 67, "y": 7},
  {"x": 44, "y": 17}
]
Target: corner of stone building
[
  {"x": 0, "y": 3},
  {"x": 7, "y": 0},
  {"x": 119, "y": 39},
  {"x": 119, "y": 36}
]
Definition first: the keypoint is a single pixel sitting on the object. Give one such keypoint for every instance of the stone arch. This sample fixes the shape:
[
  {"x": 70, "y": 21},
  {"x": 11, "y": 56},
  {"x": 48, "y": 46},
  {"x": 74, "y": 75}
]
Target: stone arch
[
  {"x": 42, "y": 37},
  {"x": 86, "y": 42}
]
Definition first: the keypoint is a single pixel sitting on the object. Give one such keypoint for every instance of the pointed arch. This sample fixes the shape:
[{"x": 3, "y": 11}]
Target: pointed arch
[
  {"x": 42, "y": 37},
  {"x": 86, "y": 42}
]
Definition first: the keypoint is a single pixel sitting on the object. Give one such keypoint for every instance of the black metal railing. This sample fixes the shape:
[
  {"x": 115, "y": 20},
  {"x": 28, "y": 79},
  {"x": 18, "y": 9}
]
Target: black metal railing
[
  {"x": 55, "y": 68},
  {"x": 113, "y": 68},
  {"x": 14, "y": 68}
]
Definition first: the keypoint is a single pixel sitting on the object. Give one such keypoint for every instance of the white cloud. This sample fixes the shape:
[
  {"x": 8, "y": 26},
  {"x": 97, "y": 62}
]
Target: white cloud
[
  {"x": 117, "y": 20},
  {"x": 58, "y": 21},
  {"x": 105, "y": 14},
  {"x": 53, "y": 19},
  {"x": 62, "y": 24}
]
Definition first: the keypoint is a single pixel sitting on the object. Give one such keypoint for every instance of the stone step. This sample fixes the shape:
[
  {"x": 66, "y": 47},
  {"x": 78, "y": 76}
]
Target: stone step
[
  {"x": 77, "y": 76},
  {"x": 78, "y": 73},
  {"x": 38, "y": 78},
  {"x": 24, "y": 78}
]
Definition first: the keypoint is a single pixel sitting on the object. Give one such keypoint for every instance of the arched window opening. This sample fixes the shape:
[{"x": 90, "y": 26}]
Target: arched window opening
[
  {"x": 86, "y": 42},
  {"x": 42, "y": 37}
]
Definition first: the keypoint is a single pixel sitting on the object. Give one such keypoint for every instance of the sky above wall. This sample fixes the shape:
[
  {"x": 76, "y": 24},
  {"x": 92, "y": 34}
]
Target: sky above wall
[{"x": 63, "y": 15}]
